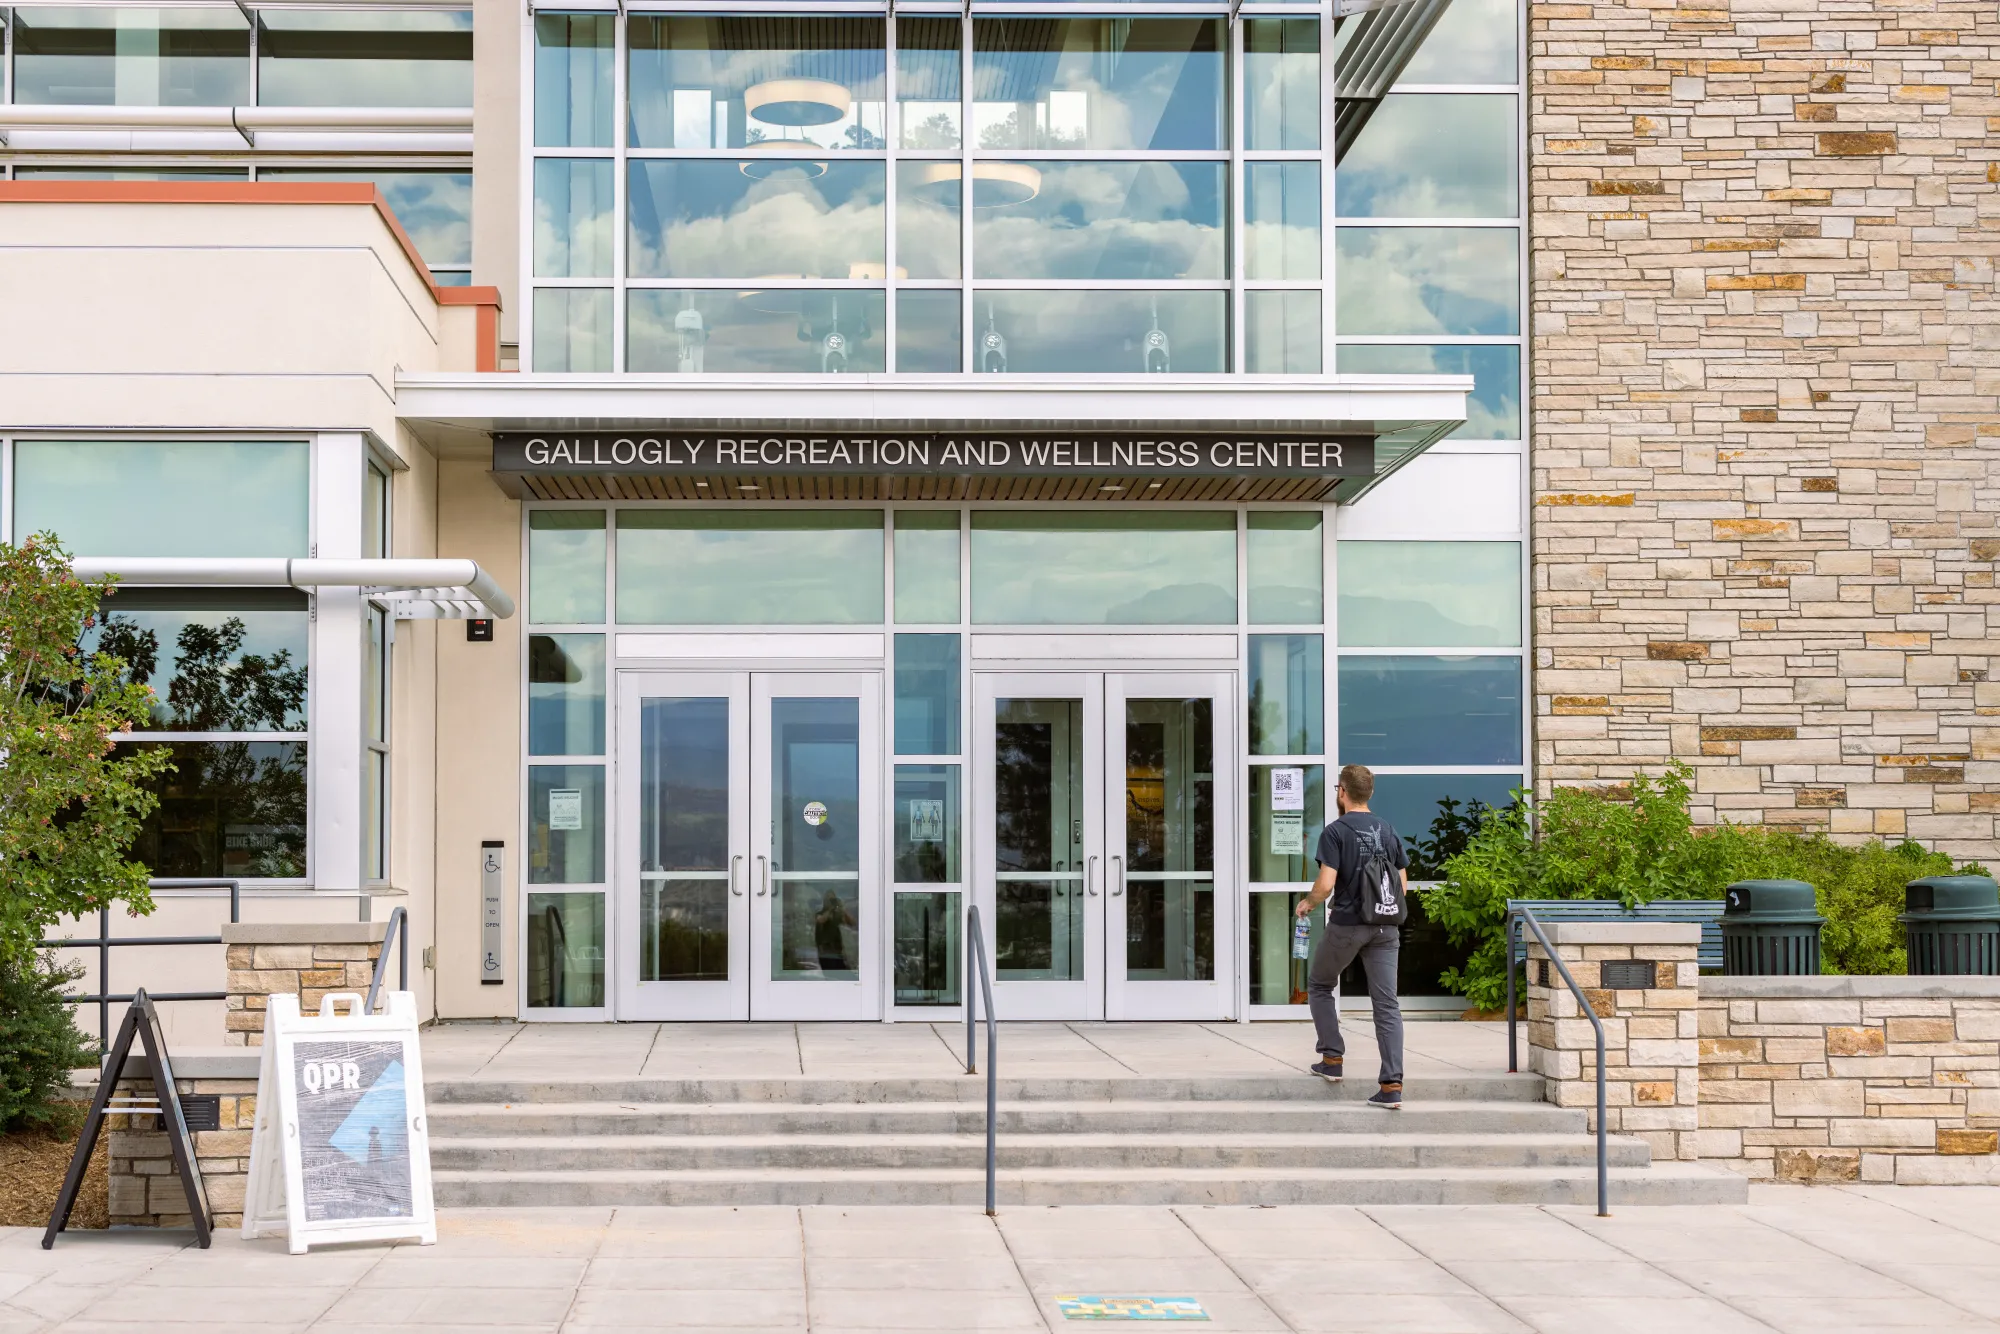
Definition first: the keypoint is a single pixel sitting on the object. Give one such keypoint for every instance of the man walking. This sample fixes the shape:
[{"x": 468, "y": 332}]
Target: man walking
[{"x": 1364, "y": 870}]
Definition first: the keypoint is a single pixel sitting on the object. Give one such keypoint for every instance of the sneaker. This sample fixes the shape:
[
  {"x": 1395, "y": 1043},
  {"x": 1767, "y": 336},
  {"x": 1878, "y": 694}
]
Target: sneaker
[
  {"x": 1329, "y": 1070},
  {"x": 1391, "y": 1097}
]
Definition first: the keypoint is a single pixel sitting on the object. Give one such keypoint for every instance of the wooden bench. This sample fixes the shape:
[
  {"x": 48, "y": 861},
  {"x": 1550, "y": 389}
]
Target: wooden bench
[{"x": 1706, "y": 913}]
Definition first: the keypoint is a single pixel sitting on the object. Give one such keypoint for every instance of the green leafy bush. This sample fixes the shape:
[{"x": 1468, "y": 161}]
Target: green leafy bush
[
  {"x": 1585, "y": 845},
  {"x": 39, "y": 1044}
]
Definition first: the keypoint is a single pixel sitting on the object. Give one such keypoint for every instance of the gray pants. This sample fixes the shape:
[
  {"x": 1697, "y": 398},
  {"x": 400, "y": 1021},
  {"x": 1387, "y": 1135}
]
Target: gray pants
[{"x": 1378, "y": 947}]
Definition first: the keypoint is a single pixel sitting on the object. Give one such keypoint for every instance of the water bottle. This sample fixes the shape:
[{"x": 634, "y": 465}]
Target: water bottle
[{"x": 1301, "y": 938}]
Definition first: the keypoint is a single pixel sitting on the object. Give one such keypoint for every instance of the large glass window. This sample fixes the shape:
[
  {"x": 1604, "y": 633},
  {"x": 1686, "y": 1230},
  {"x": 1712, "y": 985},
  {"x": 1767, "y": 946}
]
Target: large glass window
[
  {"x": 165, "y": 498},
  {"x": 709, "y": 218},
  {"x": 1122, "y": 221},
  {"x": 565, "y": 694},
  {"x": 1287, "y": 687},
  {"x": 573, "y": 217},
  {"x": 757, "y": 82},
  {"x": 197, "y": 56},
  {"x": 1430, "y": 594},
  {"x": 1098, "y": 83},
  {"x": 572, "y": 329},
  {"x": 928, "y": 97},
  {"x": 1281, "y": 210},
  {"x": 927, "y": 694},
  {"x": 1100, "y": 332},
  {"x": 375, "y": 56},
  {"x": 772, "y": 330},
  {"x": 927, "y": 567},
  {"x": 1282, "y": 551},
  {"x": 1281, "y": 97},
  {"x": 218, "y": 660},
  {"x": 573, "y": 80},
  {"x": 1103, "y": 568},
  {"x": 1433, "y": 155},
  {"x": 565, "y": 940},
  {"x": 750, "y": 567},
  {"x": 566, "y": 553},
  {"x": 1428, "y": 280},
  {"x": 228, "y": 808},
  {"x": 1430, "y": 711},
  {"x": 565, "y": 824}
]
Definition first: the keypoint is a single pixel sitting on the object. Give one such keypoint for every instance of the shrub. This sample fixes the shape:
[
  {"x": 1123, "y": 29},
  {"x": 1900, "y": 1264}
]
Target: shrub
[
  {"x": 1585, "y": 845},
  {"x": 39, "y": 1044}
]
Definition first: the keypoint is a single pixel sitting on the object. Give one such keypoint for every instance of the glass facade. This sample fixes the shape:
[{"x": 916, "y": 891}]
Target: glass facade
[{"x": 786, "y": 195}]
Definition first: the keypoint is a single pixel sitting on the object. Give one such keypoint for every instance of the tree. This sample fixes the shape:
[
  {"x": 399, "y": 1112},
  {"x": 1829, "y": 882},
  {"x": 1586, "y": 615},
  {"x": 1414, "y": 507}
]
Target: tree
[{"x": 69, "y": 807}]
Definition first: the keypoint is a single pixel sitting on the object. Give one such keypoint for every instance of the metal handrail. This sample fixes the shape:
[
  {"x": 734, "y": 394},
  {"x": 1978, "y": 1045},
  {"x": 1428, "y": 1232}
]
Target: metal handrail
[
  {"x": 105, "y": 942},
  {"x": 975, "y": 948},
  {"x": 1590, "y": 1013},
  {"x": 399, "y": 921},
  {"x": 556, "y": 946}
]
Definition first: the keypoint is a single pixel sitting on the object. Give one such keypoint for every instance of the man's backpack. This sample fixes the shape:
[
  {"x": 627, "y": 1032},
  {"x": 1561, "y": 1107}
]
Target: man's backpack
[{"x": 1382, "y": 900}]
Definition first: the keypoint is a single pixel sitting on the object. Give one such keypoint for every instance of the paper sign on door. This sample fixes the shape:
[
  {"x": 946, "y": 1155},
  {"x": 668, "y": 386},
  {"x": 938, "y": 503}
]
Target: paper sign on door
[
  {"x": 1288, "y": 833},
  {"x": 926, "y": 820},
  {"x": 565, "y": 808},
  {"x": 1288, "y": 789}
]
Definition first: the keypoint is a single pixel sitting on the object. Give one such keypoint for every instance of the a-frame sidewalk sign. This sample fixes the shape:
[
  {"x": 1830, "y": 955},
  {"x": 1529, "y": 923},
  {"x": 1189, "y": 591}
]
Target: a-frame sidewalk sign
[
  {"x": 143, "y": 1022},
  {"x": 340, "y": 1150}
]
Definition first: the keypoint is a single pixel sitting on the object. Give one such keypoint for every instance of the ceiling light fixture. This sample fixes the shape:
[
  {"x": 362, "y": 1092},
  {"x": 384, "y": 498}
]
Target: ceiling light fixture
[{"x": 797, "y": 101}]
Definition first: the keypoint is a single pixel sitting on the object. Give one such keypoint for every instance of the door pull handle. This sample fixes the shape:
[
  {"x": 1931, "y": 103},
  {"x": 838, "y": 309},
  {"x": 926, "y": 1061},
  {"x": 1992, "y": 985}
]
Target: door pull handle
[
  {"x": 764, "y": 874},
  {"x": 1090, "y": 875},
  {"x": 1118, "y": 882},
  {"x": 734, "y": 888}
]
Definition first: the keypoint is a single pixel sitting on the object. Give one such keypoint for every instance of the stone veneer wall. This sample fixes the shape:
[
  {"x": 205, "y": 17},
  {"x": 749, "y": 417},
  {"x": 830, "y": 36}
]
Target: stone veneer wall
[
  {"x": 1650, "y": 1066},
  {"x": 1852, "y": 1078},
  {"x": 145, "y": 1190},
  {"x": 304, "y": 960},
  {"x": 1766, "y": 407}
]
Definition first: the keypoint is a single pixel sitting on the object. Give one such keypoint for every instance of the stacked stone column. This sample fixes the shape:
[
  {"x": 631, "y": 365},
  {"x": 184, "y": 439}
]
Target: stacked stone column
[{"x": 1651, "y": 1059}]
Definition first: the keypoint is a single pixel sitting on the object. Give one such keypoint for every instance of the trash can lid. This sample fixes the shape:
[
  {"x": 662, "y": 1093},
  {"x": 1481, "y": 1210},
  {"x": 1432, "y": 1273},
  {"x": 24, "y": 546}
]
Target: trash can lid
[
  {"x": 1945, "y": 896},
  {"x": 1770, "y": 900}
]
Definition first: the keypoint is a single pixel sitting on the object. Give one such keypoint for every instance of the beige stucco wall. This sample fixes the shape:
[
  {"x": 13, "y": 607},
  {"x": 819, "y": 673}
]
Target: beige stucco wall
[
  {"x": 496, "y": 156},
  {"x": 213, "y": 316},
  {"x": 478, "y": 779},
  {"x": 413, "y": 726}
]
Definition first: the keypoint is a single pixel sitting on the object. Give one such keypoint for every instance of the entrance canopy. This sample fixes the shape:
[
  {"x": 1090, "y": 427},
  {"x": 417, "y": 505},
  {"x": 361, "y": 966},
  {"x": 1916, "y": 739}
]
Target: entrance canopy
[{"x": 1236, "y": 438}]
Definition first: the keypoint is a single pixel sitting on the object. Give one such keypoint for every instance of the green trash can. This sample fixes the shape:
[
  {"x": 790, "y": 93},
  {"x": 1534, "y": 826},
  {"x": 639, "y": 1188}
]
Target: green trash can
[
  {"x": 1770, "y": 928},
  {"x": 1951, "y": 924}
]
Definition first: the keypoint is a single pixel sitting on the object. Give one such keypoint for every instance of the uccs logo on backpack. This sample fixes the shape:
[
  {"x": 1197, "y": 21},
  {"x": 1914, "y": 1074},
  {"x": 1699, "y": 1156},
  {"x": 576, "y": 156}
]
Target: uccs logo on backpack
[{"x": 1382, "y": 899}]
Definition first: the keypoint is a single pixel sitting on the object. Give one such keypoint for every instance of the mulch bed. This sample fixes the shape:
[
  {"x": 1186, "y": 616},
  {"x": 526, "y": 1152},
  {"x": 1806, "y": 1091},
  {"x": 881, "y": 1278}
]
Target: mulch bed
[{"x": 32, "y": 1164}]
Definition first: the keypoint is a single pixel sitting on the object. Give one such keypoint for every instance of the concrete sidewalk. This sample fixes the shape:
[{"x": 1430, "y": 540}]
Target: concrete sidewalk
[
  {"x": 1794, "y": 1259},
  {"x": 895, "y": 1051}
]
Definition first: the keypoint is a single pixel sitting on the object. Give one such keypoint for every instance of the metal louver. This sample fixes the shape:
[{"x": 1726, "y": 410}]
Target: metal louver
[{"x": 1387, "y": 34}]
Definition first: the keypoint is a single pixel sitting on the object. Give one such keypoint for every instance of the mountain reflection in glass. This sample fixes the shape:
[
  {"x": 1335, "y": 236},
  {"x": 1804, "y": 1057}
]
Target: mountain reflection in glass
[
  {"x": 770, "y": 221},
  {"x": 746, "y": 81},
  {"x": 1038, "y": 814},
  {"x": 1148, "y": 83},
  {"x": 1128, "y": 221},
  {"x": 684, "y": 867}
]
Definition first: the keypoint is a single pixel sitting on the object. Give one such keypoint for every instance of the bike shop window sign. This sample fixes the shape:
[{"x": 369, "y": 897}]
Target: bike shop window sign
[{"x": 994, "y": 454}]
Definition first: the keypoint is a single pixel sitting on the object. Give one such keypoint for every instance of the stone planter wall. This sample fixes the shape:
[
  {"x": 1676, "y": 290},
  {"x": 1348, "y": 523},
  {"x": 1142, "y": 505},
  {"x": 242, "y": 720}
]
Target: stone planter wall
[
  {"x": 303, "y": 960},
  {"x": 1651, "y": 1071},
  {"x": 145, "y": 1191},
  {"x": 1852, "y": 1078}
]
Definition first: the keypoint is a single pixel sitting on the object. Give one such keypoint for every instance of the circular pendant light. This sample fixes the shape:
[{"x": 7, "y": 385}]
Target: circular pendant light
[
  {"x": 776, "y": 155},
  {"x": 994, "y": 184},
  {"x": 797, "y": 101}
]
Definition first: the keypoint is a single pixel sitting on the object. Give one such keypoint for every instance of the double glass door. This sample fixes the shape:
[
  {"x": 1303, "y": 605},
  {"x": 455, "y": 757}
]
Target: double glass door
[
  {"x": 1104, "y": 852},
  {"x": 748, "y": 818}
]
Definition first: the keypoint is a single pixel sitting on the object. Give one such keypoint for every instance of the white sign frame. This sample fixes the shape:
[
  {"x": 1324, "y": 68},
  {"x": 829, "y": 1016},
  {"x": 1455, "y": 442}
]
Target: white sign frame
[{"x": 275, "y": 1193}]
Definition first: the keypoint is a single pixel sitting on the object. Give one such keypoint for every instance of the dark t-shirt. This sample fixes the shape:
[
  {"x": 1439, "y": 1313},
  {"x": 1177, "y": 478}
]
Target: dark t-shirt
[{"x": 1340, "y": 848}]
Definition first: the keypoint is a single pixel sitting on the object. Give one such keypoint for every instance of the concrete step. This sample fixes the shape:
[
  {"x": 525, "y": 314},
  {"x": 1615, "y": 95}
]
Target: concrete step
[
  {"x": 1320, "y": 1117},
  {"x": 857, "y": 1153},
  {"x": 1662, "y": 1183},
  {"x": 1192, "y": 1088}
]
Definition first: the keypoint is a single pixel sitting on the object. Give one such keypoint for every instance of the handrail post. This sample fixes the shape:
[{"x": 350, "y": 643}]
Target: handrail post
[
  {"x": 1590, "y": 1013},
  {"x": 975, "y": 948},
  {"x": 399, "y": 920},
  {"x": 1513, "y": 937}
]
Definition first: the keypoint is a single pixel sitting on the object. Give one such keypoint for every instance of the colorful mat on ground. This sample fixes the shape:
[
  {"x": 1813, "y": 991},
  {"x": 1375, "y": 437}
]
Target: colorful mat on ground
[{"x": 1130, "y": 1308}]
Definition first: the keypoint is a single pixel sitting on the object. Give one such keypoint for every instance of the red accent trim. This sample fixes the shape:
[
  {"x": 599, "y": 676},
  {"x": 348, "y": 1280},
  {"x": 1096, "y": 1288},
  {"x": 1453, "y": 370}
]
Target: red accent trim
[{"x": 487, "y": 356}]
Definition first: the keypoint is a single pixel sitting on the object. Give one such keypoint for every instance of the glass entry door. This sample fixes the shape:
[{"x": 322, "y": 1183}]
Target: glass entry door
[
  {"x": 748, "y": 872},
  {"x": 1103, "y": 851}
]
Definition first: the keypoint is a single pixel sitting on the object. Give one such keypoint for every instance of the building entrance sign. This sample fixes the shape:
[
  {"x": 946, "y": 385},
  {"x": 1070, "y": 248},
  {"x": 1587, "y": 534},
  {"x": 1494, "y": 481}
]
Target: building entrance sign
[{"x": 970, "y": 453}]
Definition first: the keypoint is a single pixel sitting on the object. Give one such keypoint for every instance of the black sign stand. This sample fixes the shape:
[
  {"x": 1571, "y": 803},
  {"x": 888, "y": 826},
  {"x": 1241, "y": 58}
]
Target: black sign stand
[{"x": 144, "y": 1022}]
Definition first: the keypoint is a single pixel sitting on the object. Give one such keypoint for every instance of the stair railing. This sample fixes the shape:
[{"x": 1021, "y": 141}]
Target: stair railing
[
  {"x": 398, "y": 931},
  {"x": 975, "y": 949},
  {"x": 1527, "y": 915},
  {"x": 104, "y": 942}
]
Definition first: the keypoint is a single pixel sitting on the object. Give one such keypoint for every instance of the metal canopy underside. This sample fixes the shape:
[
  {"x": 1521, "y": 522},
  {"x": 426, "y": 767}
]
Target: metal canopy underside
[{"x": 460, "y": 416}]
